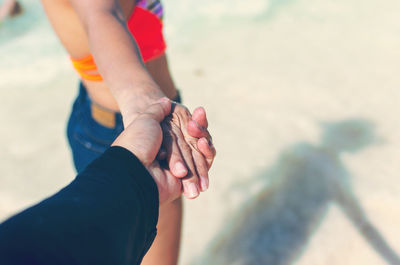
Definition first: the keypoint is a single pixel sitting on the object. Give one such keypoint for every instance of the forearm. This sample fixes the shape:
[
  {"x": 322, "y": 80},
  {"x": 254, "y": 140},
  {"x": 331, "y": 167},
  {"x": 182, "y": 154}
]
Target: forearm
[
  {"x": 165, "y": 249},
  {"x": 117, "y": 55},
  {"x": 159, "y": 71},
  {"x": 107, "y": 215}
]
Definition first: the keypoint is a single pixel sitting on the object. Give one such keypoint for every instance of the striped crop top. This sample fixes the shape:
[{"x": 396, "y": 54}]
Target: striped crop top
[{"x": 145, "y": 25}]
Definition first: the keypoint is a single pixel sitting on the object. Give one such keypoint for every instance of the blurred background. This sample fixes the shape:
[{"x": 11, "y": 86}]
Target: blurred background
[{"x": 302, "y": 98}]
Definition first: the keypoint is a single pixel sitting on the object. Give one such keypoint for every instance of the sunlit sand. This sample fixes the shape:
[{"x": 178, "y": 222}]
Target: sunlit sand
[{"x": 274, "y": 80}]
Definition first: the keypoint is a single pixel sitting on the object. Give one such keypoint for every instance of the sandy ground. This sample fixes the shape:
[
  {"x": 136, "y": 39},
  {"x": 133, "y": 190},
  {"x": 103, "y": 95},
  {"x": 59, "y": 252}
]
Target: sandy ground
[{"x": 268, "y": 85}]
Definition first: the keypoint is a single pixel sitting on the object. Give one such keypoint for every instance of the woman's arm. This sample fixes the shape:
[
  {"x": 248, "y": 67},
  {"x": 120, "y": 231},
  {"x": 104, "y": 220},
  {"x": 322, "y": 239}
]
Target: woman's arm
[
  {"x": 117, "y": 56},
  {"x": 118, "y": 60},
  {"x": 165, "y": 249}
]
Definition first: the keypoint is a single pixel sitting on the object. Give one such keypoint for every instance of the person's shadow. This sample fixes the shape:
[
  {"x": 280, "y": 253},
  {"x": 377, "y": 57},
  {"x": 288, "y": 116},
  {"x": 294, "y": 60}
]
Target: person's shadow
[{"x": 275, "y": 226}]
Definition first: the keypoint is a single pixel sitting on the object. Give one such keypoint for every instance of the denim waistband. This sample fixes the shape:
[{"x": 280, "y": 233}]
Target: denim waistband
[{"x": 85, "y": 102}]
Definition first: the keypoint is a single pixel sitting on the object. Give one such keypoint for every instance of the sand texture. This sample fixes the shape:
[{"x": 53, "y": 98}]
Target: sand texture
[{"x": 302, "y": 99}]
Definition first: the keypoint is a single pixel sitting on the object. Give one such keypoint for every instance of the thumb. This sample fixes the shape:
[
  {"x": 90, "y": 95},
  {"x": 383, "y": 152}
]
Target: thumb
[{"x": 159, "y": 110}]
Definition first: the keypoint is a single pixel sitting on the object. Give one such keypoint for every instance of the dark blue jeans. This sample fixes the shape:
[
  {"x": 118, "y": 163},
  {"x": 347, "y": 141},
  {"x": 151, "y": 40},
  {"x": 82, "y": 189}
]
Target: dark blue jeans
[{"x": 88, "y": 138}]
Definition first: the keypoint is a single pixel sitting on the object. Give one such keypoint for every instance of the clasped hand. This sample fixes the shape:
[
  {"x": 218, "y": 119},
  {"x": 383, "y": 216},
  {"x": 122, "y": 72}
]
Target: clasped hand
[{"x": 175, "y": 147}]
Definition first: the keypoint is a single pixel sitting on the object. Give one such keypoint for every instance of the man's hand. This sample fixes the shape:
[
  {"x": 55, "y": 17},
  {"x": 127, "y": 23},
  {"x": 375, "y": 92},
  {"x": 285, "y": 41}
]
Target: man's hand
[{"x": 143, "y": 138}]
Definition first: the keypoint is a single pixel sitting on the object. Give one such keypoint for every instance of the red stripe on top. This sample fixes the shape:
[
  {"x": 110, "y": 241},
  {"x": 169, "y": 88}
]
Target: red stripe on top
[{"x": 146, "y": 28}]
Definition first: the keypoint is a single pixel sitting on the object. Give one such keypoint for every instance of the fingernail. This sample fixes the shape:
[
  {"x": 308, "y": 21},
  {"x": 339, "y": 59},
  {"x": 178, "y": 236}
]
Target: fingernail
[
  {"x": 192, "y": 190},
  {"x": 204, "y": 183},
  {"x": 180, "y": 169},
  {"x": 204, "y": 139}
]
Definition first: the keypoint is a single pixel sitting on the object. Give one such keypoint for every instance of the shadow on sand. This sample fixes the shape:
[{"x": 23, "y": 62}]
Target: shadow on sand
[{"x": 275, "y": 226}]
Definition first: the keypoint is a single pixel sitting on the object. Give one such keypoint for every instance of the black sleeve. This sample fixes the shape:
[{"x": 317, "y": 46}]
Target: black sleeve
[{"x": 107, "y": 215}]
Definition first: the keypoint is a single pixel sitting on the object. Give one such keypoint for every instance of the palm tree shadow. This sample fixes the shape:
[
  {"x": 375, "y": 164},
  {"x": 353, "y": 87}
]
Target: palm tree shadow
[{"x": 275, "y": 226}]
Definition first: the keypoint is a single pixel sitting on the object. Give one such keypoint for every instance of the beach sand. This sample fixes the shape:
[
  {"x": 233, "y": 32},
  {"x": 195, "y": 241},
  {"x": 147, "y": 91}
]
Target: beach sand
[{"x": 269, "y": 82}]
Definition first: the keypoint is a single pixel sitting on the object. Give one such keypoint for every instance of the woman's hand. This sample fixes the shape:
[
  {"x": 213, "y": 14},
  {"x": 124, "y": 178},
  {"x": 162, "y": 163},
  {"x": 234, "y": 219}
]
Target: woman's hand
[
  {"x": 143, "y": 138},
  {"x": 188, "y": 148}
]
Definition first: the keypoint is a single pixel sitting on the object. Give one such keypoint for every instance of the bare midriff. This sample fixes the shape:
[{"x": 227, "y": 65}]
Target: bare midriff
[{"x": 74, "y": 39}]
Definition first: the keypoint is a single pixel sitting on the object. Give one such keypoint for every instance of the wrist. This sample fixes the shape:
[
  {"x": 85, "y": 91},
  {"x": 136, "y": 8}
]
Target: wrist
[{"x": 136, "y": 98}]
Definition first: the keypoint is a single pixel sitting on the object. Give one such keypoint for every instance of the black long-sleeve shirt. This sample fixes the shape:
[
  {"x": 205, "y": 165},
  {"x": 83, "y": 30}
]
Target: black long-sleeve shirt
[{"x": 107, "y": 215}]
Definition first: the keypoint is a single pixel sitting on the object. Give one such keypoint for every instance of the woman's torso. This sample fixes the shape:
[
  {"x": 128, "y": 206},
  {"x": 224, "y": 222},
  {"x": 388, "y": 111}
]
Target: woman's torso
[{"x": 74, "y": 38}]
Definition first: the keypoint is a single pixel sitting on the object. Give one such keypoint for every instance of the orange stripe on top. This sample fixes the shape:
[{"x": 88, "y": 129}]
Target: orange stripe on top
[
  {"x": 85, "y": 66},
  {"x": 146, "y": 28}
]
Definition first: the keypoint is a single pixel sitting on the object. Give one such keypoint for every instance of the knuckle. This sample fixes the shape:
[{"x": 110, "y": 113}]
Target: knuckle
[
  {"x": 191, "y": 141},
  {"x": 191, "y": 179},
  {"x": 158, "y": 108},
  {"x": 186, "y": 110},
  {"x": 175, "y": 119},
  {"x": 193, "y": 146},
  {"x": 185, "y": 147},
  {"x": 182, "y": 109}
]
